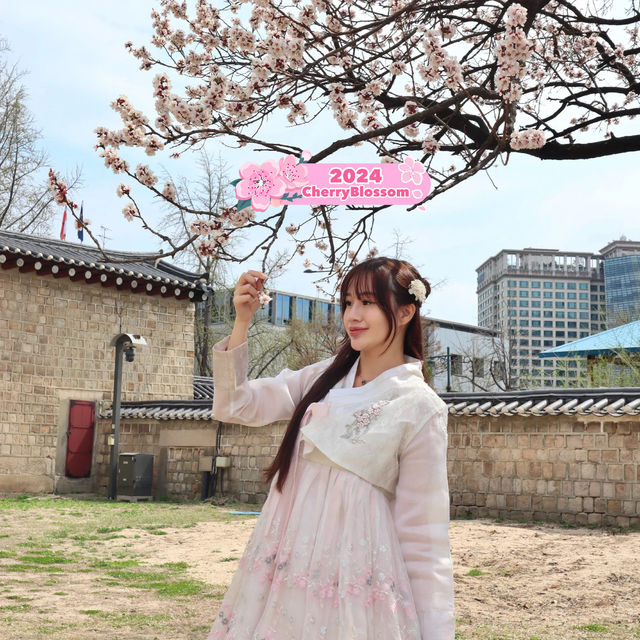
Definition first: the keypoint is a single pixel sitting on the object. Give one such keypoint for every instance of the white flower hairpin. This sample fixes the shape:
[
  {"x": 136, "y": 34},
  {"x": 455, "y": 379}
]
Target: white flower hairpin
[{"x": 418, "y": 290}]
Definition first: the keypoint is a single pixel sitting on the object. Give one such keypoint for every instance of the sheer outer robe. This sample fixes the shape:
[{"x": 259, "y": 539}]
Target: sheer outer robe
[{"x": 418, "y": 489}]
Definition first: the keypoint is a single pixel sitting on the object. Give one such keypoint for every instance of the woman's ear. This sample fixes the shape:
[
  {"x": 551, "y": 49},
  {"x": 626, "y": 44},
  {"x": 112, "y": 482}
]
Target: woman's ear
[{"x": 405, "y": 313}]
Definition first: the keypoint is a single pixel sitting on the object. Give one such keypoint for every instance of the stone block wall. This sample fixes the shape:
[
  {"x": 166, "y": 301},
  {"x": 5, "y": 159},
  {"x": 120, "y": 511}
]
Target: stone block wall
[
  {"x": 54, "y": 341},
  {"x": 178, "y": 446},
  {"x": 572, "y": 469}
]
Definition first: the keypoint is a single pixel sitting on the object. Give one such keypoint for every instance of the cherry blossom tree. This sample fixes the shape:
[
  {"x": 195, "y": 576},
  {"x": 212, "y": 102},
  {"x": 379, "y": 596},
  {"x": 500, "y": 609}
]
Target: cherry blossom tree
[{"x": 458, "y": 85}]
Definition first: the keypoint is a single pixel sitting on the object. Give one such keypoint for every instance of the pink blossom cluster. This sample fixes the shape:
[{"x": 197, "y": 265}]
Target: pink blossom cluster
[
  {"x": 527, "y": 139},
  {"x": 207, "y": 227},
  {"x": 129, "y": 211},
  {"x": 512, "y": 51},
  {"x": 429, "y": 144},
  {"x": 58, "y": 189},
  {"x": 439, "y": 62},
  {"x": 145, "y": 176}
]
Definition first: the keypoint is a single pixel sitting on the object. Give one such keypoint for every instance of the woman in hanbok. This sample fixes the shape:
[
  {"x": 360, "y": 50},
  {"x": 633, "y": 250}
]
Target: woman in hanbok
[{"x": 352, "y": 542}]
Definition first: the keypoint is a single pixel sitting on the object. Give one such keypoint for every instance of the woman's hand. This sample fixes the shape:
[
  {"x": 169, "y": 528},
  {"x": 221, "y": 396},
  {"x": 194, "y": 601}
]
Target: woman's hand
[{"x": 246, "y": 293}]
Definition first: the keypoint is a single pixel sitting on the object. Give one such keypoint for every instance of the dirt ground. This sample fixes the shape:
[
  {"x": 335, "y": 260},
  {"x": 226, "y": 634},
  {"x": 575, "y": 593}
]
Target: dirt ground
[{"x": 529, "y": 582}]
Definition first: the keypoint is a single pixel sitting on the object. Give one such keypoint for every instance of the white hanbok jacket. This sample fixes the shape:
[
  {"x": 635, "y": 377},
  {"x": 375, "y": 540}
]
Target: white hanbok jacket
[{"x": 392, "y": 432}]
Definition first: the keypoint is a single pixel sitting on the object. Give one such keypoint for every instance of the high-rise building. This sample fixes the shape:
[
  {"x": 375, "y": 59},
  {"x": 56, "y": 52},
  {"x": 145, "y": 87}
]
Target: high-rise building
[
  {"x": 538, "y": 299},
  {"x": 622, "y": 281}
]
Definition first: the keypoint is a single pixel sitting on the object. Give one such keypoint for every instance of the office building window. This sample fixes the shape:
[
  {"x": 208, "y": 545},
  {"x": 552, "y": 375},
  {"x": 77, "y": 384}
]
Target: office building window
[
  {"x": 303, "y": 309},
  {"x": 284, "y": 308}
]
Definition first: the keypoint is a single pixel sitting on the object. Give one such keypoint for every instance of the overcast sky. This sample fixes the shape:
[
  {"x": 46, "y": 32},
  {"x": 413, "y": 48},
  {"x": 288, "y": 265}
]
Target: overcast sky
[{"x": 76, "y": 62}]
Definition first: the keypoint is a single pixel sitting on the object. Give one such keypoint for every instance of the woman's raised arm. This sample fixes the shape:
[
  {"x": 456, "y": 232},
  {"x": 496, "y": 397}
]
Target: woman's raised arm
[{"x": 261, "y": 401}]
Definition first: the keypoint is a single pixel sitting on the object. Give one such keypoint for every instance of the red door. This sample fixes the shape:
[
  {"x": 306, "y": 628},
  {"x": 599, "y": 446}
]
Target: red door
[{"x": 80, "y": 438}]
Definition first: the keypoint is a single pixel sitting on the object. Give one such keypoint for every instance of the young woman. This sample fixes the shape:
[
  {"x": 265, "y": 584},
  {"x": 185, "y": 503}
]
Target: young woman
[{"x": 353, "y": 540}]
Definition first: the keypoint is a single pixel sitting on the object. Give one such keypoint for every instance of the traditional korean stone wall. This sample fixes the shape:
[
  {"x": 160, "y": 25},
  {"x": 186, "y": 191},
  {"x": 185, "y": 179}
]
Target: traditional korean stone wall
[
  {"x": 54, "y": 341},
  {"x": 570, "y": 469},
  {"x": 555, "y": 469}
]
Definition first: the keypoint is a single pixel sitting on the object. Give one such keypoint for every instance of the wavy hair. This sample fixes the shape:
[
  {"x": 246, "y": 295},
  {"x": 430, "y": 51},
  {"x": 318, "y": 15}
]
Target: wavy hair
[{"x": 388, "y": 280}]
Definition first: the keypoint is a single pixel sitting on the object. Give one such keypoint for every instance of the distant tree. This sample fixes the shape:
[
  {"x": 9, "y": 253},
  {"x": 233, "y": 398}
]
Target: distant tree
[{"x": 25, "y": 199}]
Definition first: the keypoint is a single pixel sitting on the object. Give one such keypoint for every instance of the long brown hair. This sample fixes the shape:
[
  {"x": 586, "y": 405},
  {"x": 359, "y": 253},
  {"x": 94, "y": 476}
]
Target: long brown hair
[{"x": 388, "y": 279}]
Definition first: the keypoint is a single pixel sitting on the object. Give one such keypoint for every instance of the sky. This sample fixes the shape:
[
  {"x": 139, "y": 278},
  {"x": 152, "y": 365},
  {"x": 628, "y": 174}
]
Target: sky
[{"x": 76, "y": 64}]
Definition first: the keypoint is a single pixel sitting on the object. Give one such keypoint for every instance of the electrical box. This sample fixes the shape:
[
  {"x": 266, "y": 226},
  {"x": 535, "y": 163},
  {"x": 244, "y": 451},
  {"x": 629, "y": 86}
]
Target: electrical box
[
  {"x": 135, "y": 474},
  {"x": 223, "y": 462}
]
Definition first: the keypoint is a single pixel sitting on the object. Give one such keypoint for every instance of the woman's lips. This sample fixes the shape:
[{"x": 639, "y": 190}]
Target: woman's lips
[{"x": 356, "y": 332}]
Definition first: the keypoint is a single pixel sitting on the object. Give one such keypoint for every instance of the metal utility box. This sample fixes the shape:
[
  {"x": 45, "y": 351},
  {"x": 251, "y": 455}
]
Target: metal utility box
[{"x": 135, "y": 475}]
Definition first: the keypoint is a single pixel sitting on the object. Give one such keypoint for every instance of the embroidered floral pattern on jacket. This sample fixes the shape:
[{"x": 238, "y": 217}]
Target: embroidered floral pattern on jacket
[{"x": 362, "y": 422}]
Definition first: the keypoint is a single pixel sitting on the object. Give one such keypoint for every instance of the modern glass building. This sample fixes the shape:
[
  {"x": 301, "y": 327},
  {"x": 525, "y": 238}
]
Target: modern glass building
[
  {"x": 282, "y": 308},
  {"x": 622, "y": 281}
]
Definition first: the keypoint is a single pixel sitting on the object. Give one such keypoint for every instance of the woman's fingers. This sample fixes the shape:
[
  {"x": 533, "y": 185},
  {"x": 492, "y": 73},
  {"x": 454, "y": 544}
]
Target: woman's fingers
[{"x": 254, "y": 279}]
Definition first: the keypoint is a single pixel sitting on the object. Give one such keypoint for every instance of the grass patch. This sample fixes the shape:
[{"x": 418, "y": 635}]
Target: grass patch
[
  {"x": 114, "y": 564},
  {"x": 136, "y": 620},
  {"x": 44, "y": 557},
  {"x": 591, "y": 627},
  {"x": 228, "y": 559},
  {"x": 475, "y": 572},
  {"x": 16, "y": 608}
]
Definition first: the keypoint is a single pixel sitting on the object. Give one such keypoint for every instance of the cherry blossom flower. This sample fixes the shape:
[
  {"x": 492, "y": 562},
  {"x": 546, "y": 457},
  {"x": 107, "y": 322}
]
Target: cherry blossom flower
[
  {"x": 129, "y": 212},
  {"x": 169, "y": 191},
  {"x": 122, "y": 190},
  {"x": 411, "y": 171},
  {"x": 260, "y": 183}
]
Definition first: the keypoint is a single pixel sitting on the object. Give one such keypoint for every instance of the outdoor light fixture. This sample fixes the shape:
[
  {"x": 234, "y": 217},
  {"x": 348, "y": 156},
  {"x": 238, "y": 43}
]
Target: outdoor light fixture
[{"x": 126, "y": 342}]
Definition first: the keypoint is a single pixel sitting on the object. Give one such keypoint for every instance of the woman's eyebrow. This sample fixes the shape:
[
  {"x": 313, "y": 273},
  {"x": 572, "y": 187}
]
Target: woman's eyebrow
[{"x": 364, "y": 294}]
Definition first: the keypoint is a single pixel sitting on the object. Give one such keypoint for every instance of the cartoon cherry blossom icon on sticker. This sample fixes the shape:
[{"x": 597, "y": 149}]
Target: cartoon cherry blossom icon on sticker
[
  {"x": 260, "y": 183},
  {"x": 293, "y": 174},
  {"x": 411, "y": 171}
]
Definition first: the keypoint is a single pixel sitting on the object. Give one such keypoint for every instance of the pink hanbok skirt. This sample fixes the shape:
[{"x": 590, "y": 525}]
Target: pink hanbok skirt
[{"x": 323, "y": 561}]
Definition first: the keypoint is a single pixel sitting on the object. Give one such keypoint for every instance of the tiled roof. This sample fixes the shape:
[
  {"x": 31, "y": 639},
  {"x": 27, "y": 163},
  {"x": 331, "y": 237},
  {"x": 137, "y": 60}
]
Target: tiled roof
[
  {"x": 611, "y": 402},
  {"x": 625, "y": 337},
  {"x": 48, "y": 256}
]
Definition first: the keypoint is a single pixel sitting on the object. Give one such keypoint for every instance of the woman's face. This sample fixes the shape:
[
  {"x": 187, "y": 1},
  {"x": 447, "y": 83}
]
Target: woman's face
[{"x": 366, "y": 314}]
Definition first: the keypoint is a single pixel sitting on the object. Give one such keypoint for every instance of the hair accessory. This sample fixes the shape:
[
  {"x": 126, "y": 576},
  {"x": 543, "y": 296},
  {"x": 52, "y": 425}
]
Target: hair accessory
[{"x": 418, "y": 290}]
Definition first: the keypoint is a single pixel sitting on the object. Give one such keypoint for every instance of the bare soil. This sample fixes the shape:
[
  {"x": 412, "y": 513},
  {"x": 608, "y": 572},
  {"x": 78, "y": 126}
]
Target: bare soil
[{"x": 97, "y": 569}]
